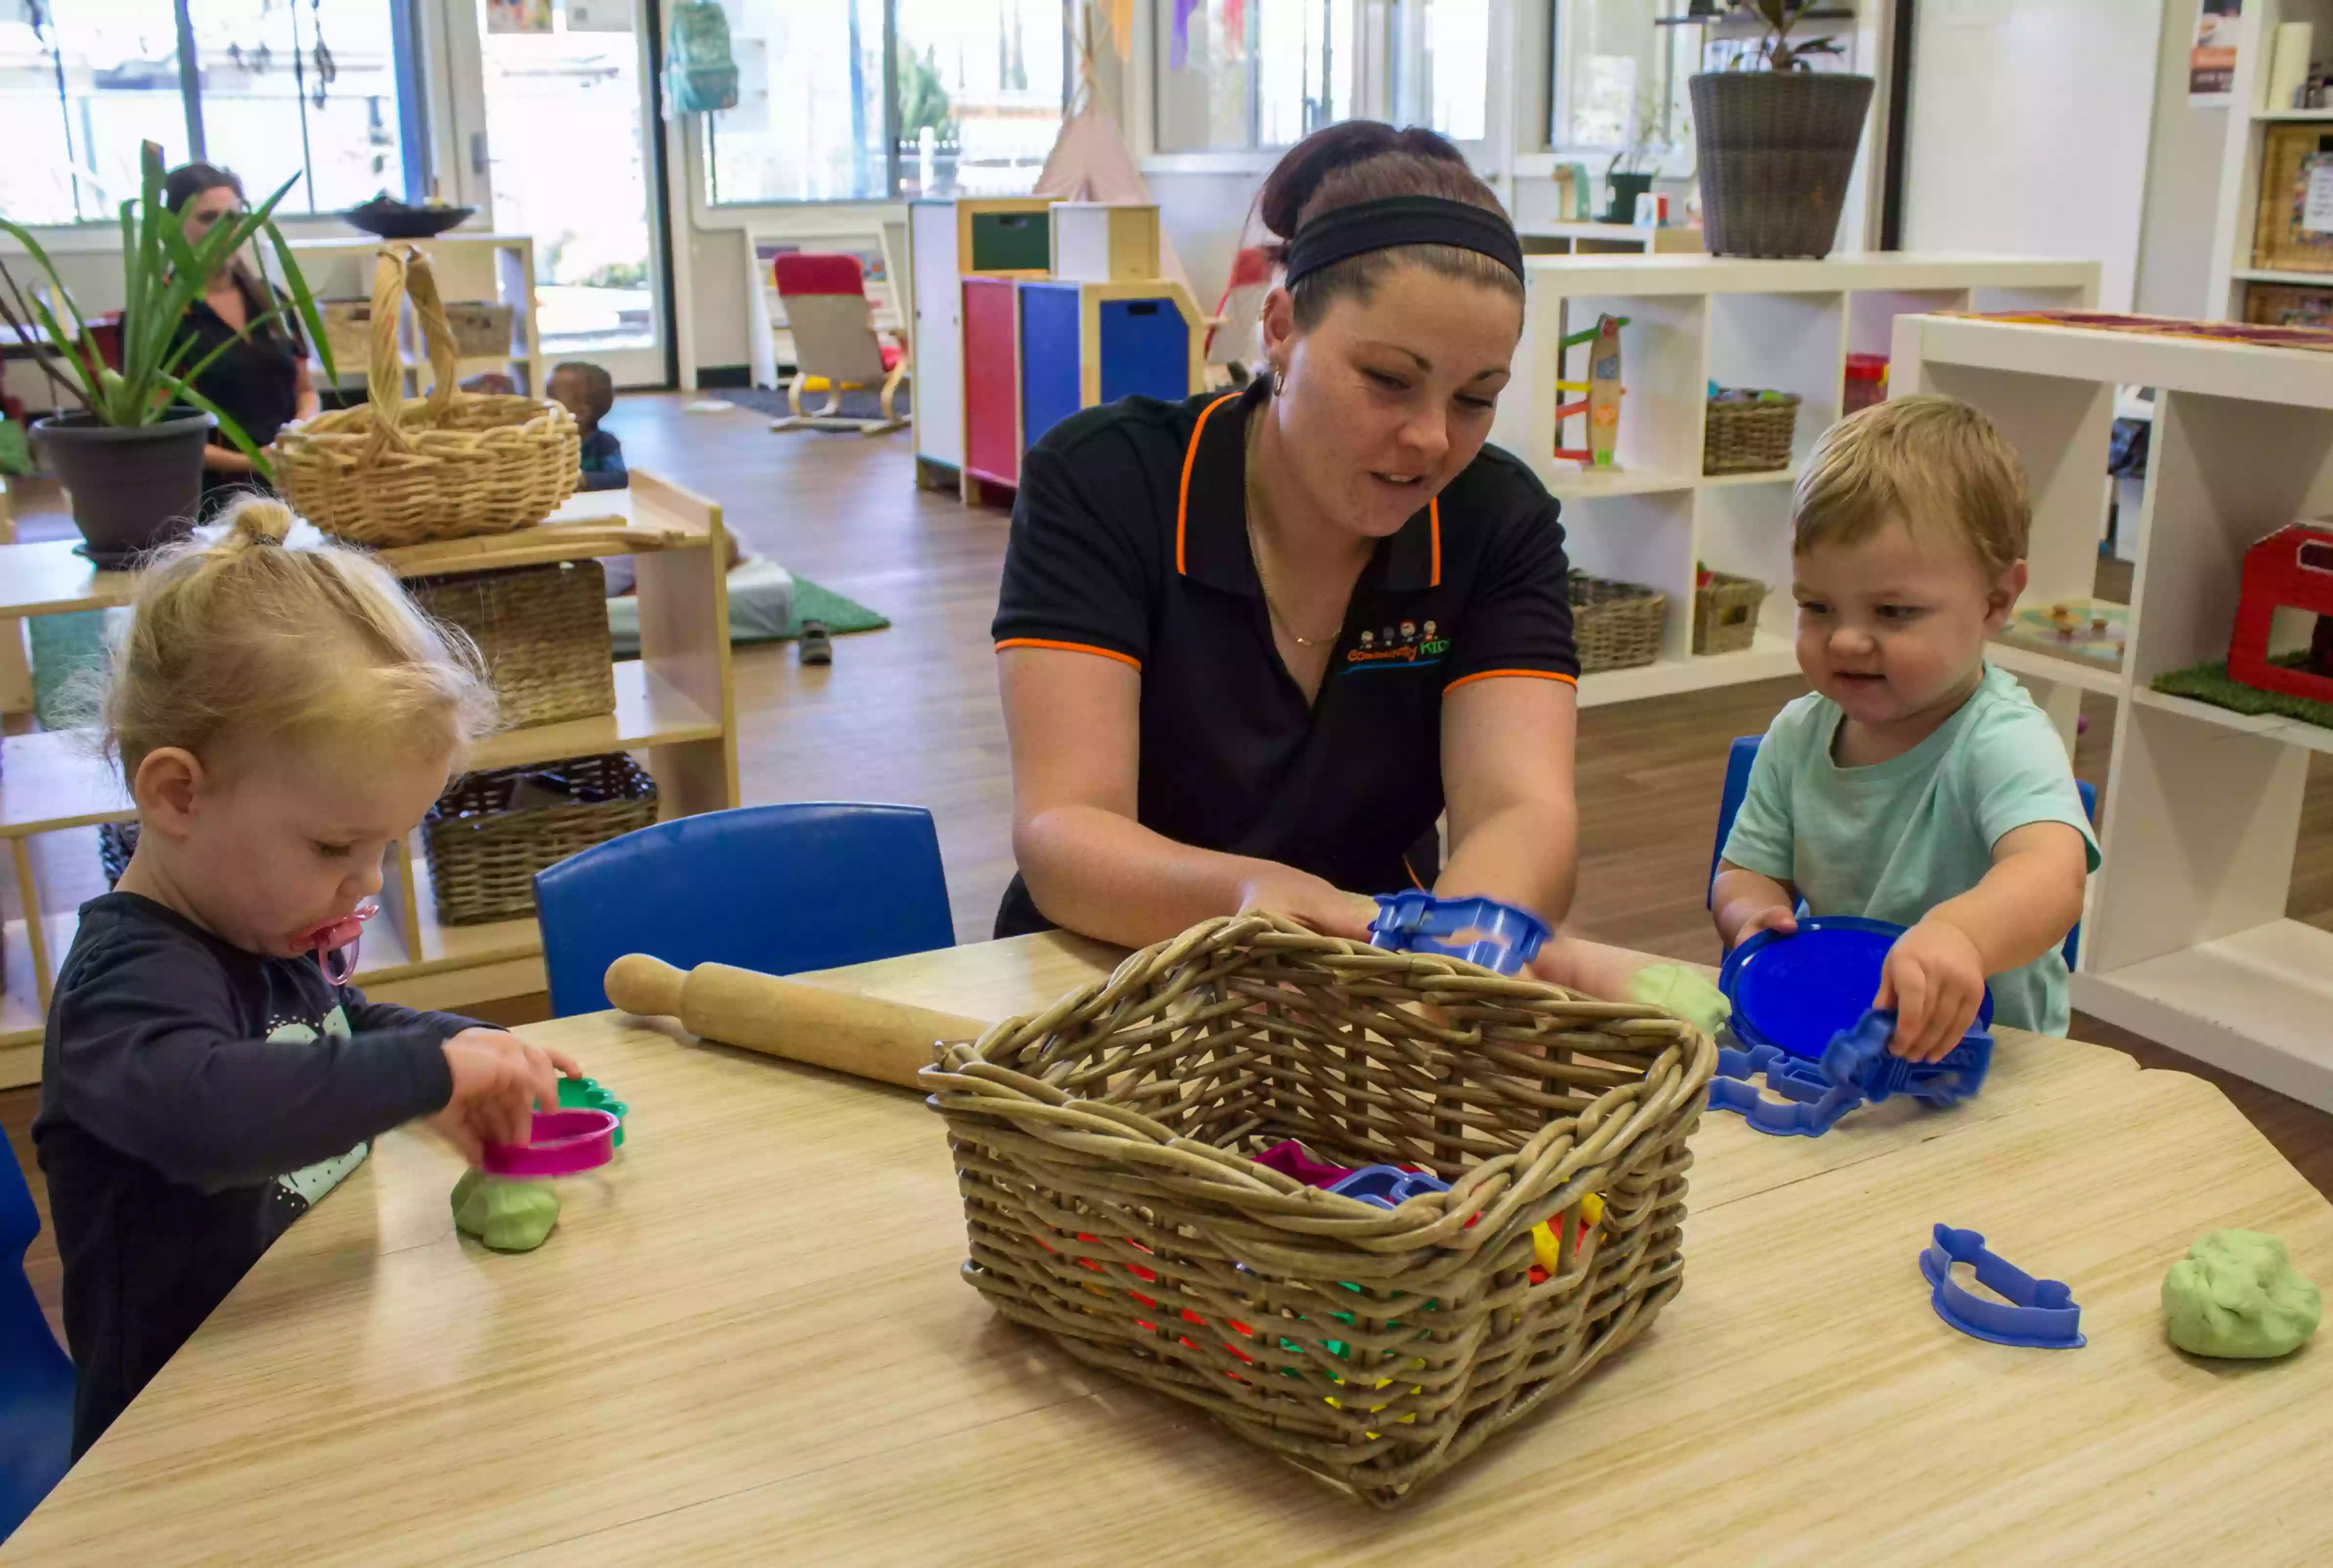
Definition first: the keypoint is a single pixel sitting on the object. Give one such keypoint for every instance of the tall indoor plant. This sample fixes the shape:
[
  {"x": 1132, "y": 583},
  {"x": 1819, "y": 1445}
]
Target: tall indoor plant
[
  {"x": 132, "y": 455},
  {"x": 1776, "y": 143}
]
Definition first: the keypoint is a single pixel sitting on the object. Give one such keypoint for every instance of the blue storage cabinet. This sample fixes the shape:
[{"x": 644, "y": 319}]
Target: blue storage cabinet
[{"x": 1082, "y": 344}]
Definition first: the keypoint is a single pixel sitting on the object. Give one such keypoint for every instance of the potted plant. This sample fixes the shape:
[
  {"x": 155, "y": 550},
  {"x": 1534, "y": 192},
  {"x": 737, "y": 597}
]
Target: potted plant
[
  {"x": 1776, "y": 142},
  {"x": 1637, "y": 165},
  {"x": 132, "y": 455}
]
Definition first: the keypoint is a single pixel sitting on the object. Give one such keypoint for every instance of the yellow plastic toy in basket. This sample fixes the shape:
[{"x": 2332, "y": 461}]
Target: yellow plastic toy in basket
[{"x": 393, "y": 471}]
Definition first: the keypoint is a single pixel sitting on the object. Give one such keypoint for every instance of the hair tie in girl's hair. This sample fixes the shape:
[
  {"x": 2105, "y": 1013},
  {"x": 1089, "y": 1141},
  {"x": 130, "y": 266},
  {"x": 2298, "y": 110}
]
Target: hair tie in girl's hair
[
  {"x": 259, "y": 522},
  {"x": 1345, "y": 232}
]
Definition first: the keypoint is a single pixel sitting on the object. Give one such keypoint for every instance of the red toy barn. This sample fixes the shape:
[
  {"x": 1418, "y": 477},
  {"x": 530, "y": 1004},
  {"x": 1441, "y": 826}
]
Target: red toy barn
[{"x": 2292, "y": 569}]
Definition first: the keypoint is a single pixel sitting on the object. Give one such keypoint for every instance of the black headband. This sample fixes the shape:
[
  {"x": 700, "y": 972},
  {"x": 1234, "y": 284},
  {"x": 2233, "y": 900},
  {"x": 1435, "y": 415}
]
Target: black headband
[{"x": 1345, "y": 232}]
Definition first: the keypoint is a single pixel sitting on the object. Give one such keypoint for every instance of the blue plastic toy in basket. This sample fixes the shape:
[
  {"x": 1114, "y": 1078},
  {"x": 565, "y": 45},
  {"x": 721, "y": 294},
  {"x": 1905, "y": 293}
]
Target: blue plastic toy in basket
[{"x": 1498, "y": 937}]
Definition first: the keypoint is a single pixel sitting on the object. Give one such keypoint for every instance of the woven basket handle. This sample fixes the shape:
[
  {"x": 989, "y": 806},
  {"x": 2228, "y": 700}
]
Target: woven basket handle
[
  {"x": 400, "y": 272},
  {"x": 436, "y": 333}
]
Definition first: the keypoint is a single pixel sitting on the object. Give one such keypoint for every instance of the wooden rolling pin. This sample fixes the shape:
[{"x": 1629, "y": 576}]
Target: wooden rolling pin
[{"x": 888, "y": 1042}]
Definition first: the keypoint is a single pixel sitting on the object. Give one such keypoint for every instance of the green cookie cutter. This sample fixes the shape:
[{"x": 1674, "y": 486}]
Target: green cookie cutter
[{"x": 589, "y": 1095}]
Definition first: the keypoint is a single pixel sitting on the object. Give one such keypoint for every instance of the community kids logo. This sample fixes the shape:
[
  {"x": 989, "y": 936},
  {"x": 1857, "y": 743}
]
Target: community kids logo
[{"x": 1397, "y": 647}]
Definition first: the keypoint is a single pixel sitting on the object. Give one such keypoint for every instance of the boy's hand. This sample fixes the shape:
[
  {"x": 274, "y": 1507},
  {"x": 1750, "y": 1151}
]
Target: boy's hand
[
  {"x": 498, "y": 1081},
  {"x": 1934, "y": 980},
  {"x": 1778, "y": 917}
]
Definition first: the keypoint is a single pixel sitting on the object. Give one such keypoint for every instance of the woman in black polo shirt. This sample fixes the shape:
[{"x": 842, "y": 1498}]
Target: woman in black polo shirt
[
  {"x": 262, "y": 380},
  {"x": 1252, "y": 645}
]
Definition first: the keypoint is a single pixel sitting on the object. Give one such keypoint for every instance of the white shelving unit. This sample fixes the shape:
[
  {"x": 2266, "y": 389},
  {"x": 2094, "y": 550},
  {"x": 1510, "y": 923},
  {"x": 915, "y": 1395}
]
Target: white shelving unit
[
  {"x": 2185, "y": 938},
  {"x": 495, "y": 268},
  {"x": 2250, "y": 118},
  {"x": 1695, "y": 319}
]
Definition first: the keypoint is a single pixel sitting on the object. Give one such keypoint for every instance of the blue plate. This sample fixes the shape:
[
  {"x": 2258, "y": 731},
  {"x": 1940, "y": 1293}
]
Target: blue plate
[{"x": 1795, "y": 992}]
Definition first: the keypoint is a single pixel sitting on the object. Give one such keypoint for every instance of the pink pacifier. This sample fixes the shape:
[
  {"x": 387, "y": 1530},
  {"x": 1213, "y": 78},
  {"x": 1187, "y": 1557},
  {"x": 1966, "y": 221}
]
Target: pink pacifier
[{"x": 335, "y": 943}]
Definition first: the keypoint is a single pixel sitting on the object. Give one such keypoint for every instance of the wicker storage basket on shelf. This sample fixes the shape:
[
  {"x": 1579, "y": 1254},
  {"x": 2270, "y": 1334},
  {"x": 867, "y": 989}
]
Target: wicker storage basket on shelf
[
  {"x": 1726, "y": 612},
  {"x": 389, "y": 472},
  {"x": 487, "y": 836},
  {"x": 1615, "y": 625},
  {"x": 543, "y": 631},
  {"x": 481, "y": 329},
  {"x": 1105, "y": 1153},
  {"x": 1749, "y": 434}
]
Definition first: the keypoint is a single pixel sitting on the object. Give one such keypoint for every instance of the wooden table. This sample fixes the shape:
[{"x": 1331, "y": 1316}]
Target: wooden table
[{"x": 746, "y": 1343}]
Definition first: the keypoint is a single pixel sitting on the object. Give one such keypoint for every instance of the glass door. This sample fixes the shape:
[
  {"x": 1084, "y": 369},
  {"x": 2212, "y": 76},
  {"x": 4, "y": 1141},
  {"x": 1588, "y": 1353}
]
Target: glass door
[{"x": 567, "y": 118}]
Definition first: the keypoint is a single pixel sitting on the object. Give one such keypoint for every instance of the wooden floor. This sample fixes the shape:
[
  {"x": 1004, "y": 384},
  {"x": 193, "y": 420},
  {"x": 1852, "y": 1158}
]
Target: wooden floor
[{"x": 910, "y": 715}]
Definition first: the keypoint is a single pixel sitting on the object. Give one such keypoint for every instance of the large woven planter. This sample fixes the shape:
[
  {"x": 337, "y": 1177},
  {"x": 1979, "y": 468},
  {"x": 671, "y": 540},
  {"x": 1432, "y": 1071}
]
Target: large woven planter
[
  {"x": 542, "y": 631},
  {"x": 390, "y": 472},
  {"x": 1104, "y": 1149},
  {"x": 1776, "y": 151}
]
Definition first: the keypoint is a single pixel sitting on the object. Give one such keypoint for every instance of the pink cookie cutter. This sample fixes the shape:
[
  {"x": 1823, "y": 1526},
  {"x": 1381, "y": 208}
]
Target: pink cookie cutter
[{"x": 562, "y": 1143}]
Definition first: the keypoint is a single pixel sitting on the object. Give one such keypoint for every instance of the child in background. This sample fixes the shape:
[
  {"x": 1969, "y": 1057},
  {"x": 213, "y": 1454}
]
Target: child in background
[
  {"x": 1916, "y": 784},
  {"x": 280, "y": 717},
  {"x": 588, "y": 393}
]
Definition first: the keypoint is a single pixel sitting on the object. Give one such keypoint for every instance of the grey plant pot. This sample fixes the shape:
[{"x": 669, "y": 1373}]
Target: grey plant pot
[
  {"x": 1777, "y": 150},
  {"x": 134, "y": 487}
]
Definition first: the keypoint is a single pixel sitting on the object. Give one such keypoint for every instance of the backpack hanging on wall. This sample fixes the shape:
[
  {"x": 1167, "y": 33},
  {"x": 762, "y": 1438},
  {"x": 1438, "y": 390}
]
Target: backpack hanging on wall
[{"x": 700, "y": 73}]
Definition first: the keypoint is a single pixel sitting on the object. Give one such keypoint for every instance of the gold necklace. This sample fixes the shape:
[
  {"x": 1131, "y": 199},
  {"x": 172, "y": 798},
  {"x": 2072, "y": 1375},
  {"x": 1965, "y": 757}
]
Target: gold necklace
[{"x": 1255, "y": 556}]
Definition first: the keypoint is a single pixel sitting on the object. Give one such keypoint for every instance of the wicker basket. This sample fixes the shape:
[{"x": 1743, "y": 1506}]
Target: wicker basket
[
  {"x": 481, "y": 329},
  {"x": 1749, "y": 434},
  {"x": 1726, "y": 612},
  {"x": 1104, "y": 1149},
  {"x": 543, "y": 631},
  {"x": 1615, "y": 625},
  {"x": 454, "y": 464},
  {"x": 487, "y": 836}
]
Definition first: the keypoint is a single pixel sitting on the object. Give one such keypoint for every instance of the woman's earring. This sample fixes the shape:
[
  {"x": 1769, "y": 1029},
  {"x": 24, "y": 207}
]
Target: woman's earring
[{"x": 1279, "y": 380}]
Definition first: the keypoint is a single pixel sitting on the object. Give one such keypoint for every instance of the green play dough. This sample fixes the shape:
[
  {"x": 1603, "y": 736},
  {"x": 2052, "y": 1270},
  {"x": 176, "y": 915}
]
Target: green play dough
[
  {"x": 508, "y": 1216},
  {"x": 2235, "y": 1294},
  {"x": 1683, "y": 990}
]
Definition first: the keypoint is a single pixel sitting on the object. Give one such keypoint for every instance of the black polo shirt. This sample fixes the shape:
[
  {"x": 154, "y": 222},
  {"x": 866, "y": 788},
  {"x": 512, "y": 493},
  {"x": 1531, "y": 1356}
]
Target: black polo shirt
[{"x": 1130, "y": 542}]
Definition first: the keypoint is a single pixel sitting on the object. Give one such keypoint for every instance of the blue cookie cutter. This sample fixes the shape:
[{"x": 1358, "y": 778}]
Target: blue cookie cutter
[
  {"x": 1859, "y": 1056},
  {"x": 1798, "y": 991},
  {"x": 1505, "y": 939},
  {"x": 1389, "y": 1186},
  {"x": 1810, "y": 1104},
  {"x": 2032, "y": 1314}
]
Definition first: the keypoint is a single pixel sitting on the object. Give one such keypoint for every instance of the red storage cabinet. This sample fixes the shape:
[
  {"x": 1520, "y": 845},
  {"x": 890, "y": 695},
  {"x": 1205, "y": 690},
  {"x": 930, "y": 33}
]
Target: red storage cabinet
[{"x": 992, "y": 380}]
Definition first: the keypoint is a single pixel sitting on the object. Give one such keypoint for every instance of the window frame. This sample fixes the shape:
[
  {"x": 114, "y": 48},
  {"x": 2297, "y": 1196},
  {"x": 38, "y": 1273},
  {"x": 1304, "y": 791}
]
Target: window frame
[
  {"x": 703, "y": 186},
  {"x": 1678, "y": 161},
  {"x": 1375, "y": 24}
]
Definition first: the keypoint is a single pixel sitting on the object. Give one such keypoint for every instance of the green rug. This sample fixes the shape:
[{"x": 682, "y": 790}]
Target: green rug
[
  {"x": 2210, "y": 683},
  {"x": 813, "y": 602}
]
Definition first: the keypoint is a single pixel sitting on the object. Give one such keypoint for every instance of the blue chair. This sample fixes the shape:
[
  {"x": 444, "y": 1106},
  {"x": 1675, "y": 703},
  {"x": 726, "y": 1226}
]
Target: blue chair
[
  {"x": 780, "y": 889},
  {"x": 36, "y": 1378},
  {"x": 1744, "y": 752}
]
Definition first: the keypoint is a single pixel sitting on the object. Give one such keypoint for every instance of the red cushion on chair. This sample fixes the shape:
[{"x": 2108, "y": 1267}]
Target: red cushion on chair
[
  {"x": 890, "y": 356},
  {"x": 799, "y": 273}
]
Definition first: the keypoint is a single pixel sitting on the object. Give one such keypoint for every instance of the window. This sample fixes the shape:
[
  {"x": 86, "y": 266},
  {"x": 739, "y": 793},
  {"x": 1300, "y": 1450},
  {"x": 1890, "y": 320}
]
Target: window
[
  {"x": 972, "y": 103},
  {"x": 1253, "y": 74},
  {"x": 280, "y": 88},
  {"x": 1445, "y": 68},
  {"x": 1620, "y": 69}
]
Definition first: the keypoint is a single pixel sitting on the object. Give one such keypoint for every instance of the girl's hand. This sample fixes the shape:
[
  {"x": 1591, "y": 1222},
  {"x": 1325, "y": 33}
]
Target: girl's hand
[
  {"x": 1308, "y": 900},
  {"x": 498, "y": 1081},
  {"x": 1934, "y": 980},
  {"x": 1780, "y": 918}
]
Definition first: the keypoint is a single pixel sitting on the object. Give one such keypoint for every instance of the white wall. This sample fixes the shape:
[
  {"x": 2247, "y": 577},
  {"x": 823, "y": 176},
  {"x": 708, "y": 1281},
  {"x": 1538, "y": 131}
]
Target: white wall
[
  {"x": 2028, "y": 125},
  {"x": 2183, "y": 183}
]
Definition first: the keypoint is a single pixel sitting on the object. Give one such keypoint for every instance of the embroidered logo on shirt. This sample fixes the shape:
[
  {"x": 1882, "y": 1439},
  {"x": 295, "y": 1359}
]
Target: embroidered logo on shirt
[{"x": 1407, "y": 645}]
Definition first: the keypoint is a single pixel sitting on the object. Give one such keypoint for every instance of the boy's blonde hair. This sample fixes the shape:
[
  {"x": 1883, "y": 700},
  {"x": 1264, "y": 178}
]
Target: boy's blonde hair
[
  {"x": 246, "y": 637},
  {"x": 1934, "y": 461}
]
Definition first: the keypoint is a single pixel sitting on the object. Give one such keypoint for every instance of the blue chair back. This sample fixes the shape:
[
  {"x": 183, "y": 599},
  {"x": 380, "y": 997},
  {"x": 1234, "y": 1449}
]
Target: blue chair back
[
  {"x": 36, "y": 1378},
  {"x": 780, "y": 889},
  {"x": 1744, "y": 752}
]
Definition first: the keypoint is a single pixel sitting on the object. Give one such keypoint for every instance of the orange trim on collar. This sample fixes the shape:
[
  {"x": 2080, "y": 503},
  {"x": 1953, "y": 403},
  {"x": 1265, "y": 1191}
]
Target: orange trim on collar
[
  {"x": 1068, "y": 647},
  {"x": 1495, "y": 674},
  {"x": 1433, "y": 522},
  {"x": 1183, "y": 498}
]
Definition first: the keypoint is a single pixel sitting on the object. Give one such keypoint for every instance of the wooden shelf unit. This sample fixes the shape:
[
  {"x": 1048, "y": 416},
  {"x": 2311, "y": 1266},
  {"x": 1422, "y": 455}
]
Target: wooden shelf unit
[
  {"x": 492, "y": 268},
  {"x": 1695, "y": 319},
  {"x": 672, "y": 703},
  {"x": 2236, "y": 215},
  {"x": 2185, "y": 935}
]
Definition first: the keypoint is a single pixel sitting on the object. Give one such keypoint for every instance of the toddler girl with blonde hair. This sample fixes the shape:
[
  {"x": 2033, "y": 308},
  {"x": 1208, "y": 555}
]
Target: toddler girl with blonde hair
[{"x": 281, "y": 716}]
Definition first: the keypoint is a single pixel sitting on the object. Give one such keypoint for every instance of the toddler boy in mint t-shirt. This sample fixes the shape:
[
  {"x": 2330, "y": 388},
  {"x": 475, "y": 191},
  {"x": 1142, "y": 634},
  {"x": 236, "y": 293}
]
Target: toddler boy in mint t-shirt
[{"x": 1916, "y": 784}]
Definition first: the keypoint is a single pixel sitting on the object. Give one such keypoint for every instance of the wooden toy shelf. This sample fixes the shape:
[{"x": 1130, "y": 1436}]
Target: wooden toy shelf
[
  {"x": 2184, "y": 933},
  {"x": 1694, "y": 319},
  {"x": 673, "y": 703}
]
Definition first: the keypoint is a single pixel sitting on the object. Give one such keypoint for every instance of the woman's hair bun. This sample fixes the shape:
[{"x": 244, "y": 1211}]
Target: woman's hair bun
[{"x": 1297, "y": 179}]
